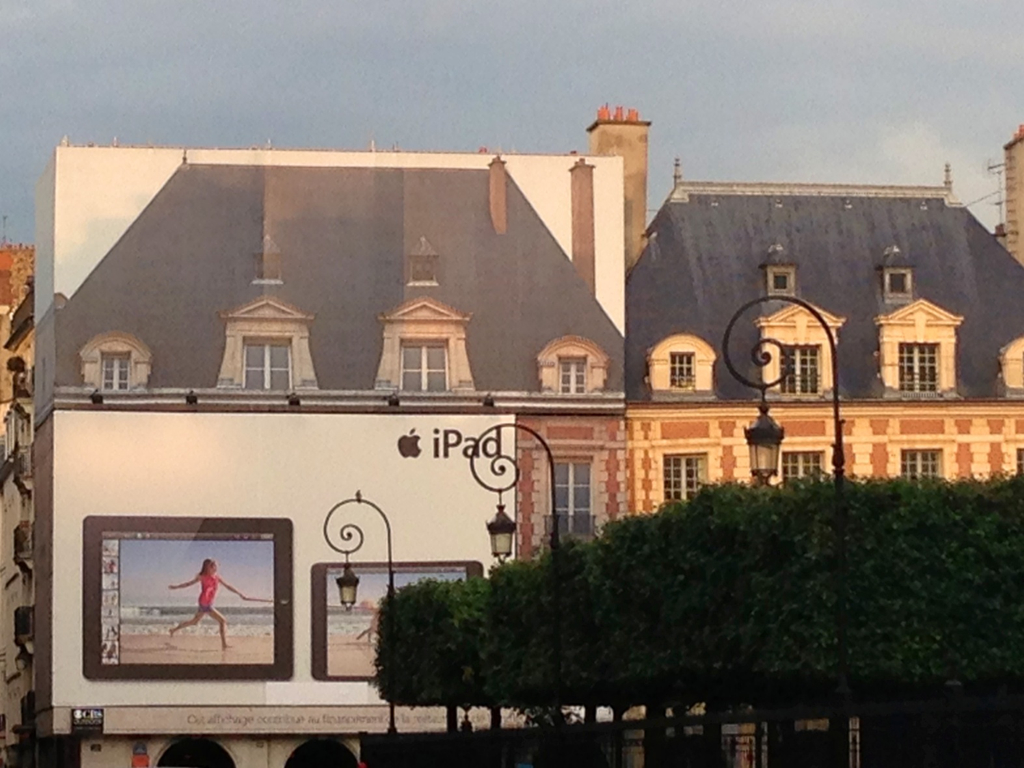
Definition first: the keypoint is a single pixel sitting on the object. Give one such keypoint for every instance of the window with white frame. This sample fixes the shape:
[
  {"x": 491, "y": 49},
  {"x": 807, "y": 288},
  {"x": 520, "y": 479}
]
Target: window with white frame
[
  {"x": 424, "y": 367},
  {"x": 573, "y": 498},
  {"x": 267, "y": 366},
  {"x": 799, "y": 464},
  {"x": 682, "y": 370},
  {"x": 800, "y": 366},
  {"x": 115, "y": 361},
  {"x": 916, "y": 464},
  {"x": 116, "y": 371},
  {"x": 572, "y": 375},
  {"x": 684, "y": 475},
  {"x": 919, "y": 367}
]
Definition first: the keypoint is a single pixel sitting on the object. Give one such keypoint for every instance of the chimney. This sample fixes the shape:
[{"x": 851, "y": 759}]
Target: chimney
[
  {"x": 498, "y": 196},
  {"x": 582, "y": 179},
  {"x": 1013, "y": 197},
  {"x": 624, "y": 134}
]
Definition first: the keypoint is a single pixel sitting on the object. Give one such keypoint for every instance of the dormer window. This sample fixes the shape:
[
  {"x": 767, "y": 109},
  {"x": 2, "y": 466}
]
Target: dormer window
[
  {"x": 421, "y": 265},
  {"x": 267, "y": 264},
  {"x": 898, "y": 283},
  {"x": 115, "y": 362},
  {"x": 424, "y": 348},
  {"x": 781, "y": 281},
  {"x": 267, "y": 347},
  {"x": 572, "y": 365},
  {"x": 917, "y": 349},
  {"x": 803, "y": 366},
  {"x": 681, "y": 364}
]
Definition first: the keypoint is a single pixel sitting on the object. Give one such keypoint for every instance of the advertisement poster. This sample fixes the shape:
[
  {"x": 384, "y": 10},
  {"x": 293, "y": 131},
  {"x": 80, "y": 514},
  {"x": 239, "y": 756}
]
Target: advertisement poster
[
  {"x": 187, "y": 597},
  {"x": 345, "y": 639}
]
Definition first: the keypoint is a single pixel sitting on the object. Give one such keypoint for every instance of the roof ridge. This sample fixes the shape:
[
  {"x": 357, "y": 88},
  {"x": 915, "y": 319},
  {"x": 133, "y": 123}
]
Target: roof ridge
[{"x": 682, "y": 191}]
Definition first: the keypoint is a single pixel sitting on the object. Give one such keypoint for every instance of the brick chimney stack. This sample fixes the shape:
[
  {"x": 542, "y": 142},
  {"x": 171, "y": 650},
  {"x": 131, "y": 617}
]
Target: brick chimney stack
[
  {"x": 624, "y": 134},
  {"x": 1014, "y": 170}
]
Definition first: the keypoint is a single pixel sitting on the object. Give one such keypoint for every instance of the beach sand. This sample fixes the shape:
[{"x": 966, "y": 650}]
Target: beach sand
[
  {"x": 348, "y": 657},
  {"x": 195, "y": 649}
]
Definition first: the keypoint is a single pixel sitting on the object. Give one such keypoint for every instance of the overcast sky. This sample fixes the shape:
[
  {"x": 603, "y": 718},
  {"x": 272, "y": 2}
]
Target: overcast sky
[{"x": 879, "y": 91}]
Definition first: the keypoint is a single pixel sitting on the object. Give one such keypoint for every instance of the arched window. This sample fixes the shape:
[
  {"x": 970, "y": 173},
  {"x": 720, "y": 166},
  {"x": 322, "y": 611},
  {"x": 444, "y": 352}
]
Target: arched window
[
  {"x": 572, "y": 365},
  {"x": 116, "y": 361},
  {"x": 1011, "y": 365},
  {"x": 680, "y": 364}
]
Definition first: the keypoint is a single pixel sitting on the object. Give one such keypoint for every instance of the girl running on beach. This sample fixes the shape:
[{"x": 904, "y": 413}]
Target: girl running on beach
[{"x": 208, "y": 581}]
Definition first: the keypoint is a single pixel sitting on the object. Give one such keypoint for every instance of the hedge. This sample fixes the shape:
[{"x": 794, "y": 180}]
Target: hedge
[{"x": 731, "y": 598}]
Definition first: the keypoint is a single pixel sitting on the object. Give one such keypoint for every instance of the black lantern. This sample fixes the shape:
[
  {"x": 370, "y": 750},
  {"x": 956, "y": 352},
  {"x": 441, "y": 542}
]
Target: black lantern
[
  {"x": 348, "y": 584},
  {"x": 502, "y": 530},
  {"x": 764, "y": 438}
]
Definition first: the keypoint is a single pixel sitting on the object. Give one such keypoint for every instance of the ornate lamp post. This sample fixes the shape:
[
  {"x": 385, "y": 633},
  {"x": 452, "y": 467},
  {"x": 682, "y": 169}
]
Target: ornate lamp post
[
  {"x": 347, "y": 540},
  {"x": 764, "y": 437},
  {"x": 502, "y": 528}
]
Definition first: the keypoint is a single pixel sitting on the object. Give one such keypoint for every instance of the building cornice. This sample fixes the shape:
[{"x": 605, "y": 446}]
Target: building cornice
[
  {"x": 682, "y": 190},
  {"x": 337, "y": 401}
]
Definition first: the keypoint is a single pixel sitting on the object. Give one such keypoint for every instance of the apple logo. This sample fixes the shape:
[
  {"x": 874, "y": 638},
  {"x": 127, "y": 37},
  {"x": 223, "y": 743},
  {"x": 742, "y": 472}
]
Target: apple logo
[{"x": 409, "y": 445}]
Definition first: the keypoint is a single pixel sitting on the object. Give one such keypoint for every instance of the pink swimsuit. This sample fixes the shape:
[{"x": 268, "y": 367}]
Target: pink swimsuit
[{"x": 207, "y": 592}]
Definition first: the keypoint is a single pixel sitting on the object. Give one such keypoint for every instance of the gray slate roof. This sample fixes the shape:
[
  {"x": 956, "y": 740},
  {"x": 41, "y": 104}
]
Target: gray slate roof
[
  {"x": 343, "y": 234},
  {"x": 703, "y": 262}
]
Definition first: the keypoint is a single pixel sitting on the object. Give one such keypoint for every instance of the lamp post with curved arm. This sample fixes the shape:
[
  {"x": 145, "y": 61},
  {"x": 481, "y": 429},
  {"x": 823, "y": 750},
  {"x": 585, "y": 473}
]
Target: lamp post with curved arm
[
  {"x": 761, "y": 357},
  {"x": 505, "y": 471},
  {"x": 347, "y": 540}
]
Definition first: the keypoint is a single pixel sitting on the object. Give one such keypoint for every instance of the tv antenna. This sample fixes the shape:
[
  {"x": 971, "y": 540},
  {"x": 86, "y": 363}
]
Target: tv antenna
[{"x": 996, "y": 169}]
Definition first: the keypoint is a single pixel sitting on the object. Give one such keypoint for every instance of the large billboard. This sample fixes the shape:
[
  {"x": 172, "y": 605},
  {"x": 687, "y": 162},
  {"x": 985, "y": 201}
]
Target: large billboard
[
  {"x": 344, "y": 636},
  {"x": 187, "y": 542},
  {"x": 187, "y": 597}
]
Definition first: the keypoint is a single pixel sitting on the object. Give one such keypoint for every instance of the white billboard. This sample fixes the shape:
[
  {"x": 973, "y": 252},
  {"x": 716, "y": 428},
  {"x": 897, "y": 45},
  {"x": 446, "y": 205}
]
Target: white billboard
[{"x": 184, "y": 509}]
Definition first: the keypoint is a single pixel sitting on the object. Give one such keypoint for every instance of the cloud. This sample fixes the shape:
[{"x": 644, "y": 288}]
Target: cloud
[{"x": 829, "y": 90}]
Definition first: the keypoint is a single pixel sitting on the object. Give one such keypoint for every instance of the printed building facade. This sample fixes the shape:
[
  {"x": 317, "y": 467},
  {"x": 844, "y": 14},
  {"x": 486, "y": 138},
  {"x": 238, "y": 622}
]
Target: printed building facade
[{"x": 230, "y": 344}]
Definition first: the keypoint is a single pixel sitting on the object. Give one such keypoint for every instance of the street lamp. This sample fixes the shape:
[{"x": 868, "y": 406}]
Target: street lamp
[
  {"x": 502, "y": 528},
  {"x": 347, "y": 540},
  {"x": 348, "y": 583},
  {"x": 764, "y": 437}
]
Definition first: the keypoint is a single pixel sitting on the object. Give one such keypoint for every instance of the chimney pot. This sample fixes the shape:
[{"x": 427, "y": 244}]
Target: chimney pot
[
  {"x": 618, "y": 114},
  {"x": 604, "y": 113},
  {"x": 632, "y": 116}
]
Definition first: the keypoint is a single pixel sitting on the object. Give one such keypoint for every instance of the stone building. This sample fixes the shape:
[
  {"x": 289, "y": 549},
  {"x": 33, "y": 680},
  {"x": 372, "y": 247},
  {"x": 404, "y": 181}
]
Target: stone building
[{"x": 923, "y": 300}]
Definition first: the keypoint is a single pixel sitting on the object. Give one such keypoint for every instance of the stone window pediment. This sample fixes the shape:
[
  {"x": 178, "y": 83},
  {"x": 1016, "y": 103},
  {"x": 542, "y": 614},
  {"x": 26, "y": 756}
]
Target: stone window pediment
[
  {"x": 1011, "y": 365},
  {"x": 424, "y": 323},
  {"x": 917, "y": 326},
  {"x": 116, "y": 358},
  {"x": 266, "y": 322},
  {"x": 795, "y": 327},
  {"x": 671, "y": 361},
  {"x": 586, "y": 362}
]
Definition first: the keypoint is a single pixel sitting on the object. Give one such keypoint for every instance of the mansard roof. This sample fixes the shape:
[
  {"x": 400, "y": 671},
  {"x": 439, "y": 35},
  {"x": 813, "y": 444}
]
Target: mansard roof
[
  {"x": 344, "y": 235},
  {"x": 709, "y": 240}
]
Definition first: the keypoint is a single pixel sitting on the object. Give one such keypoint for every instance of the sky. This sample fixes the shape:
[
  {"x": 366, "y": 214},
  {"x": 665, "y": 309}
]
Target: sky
[
  {"x": 857, "y": 91},
  {"x": 149, "y": 566}
]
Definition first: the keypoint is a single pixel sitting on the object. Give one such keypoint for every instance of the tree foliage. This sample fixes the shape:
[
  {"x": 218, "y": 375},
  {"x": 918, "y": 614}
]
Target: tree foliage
[{"x": 731, "y": 598}]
